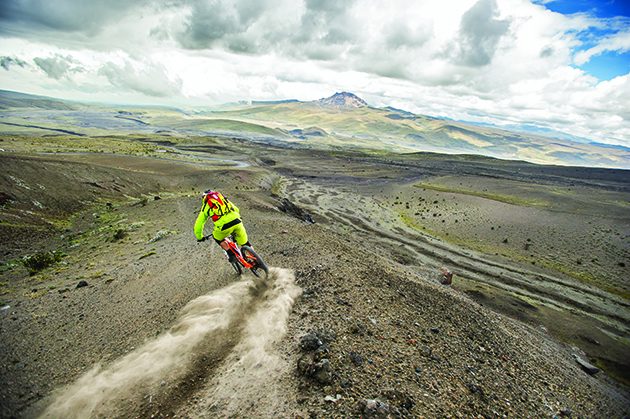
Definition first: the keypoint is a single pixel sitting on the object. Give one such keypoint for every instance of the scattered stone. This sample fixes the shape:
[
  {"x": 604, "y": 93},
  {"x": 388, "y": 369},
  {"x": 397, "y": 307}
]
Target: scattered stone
[
  {"x": 475, "y": 389},
  {"x": 345, "y": 383},
  {"x": 371, "y": 408},
  {"x": 447, "y": 276},
  {"x": 322, "y": 372},
  {"x": 586, "y": 366},
  {"x": 356, "y": 359},
  {"x": 399, "y": 398},
  {"x": 564, "y": 413},
  {"x": 310, "y": 342},
  {"x": 321, "y": 351},
  {"x": 358, "y": 329},
  {"x": 333, "y": 399},
  {"x": 82, "y": 284},
  {"x": 305, "y": 362}
]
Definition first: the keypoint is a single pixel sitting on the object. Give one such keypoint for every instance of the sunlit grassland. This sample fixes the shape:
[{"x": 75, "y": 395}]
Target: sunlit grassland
[{"x": 508, "y": 199}]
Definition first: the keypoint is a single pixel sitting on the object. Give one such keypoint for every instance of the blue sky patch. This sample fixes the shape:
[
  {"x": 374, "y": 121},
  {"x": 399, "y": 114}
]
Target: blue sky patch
[
  {"x": 608, "y": 65},
  {"x": 601, "y": 8}
]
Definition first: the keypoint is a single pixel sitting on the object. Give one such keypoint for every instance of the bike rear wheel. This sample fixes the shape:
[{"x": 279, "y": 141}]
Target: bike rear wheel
[{"x": 252, "y": 257}]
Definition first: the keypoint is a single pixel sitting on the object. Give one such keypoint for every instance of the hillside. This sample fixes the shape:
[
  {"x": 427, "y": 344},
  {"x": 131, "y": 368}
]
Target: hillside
[
  {"x": 134, "y": 318},
  {"x": 340, "y": 121}
]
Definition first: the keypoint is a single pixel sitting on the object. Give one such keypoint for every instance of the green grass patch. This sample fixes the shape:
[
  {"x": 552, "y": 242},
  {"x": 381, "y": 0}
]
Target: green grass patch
[
  {"x": 40, "y": 261},
  {"x": 508, "y": 199}
]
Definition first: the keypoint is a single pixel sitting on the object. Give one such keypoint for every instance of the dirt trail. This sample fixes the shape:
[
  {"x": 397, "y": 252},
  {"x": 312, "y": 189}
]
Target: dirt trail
[
  {"x": 367, "y": 217},
  {"x": 164, "y": 330},
  {"x": 204, "y": 327}
]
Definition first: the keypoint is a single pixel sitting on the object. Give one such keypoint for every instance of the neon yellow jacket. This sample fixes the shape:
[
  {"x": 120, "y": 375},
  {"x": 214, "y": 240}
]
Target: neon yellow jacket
[{"x": 219, "y": 220}]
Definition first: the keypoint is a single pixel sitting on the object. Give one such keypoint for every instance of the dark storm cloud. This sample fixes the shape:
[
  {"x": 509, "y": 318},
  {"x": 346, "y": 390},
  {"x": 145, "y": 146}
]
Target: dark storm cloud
[
  {"x": 57, "y": 67},
  {"x": 214, "y": 20},
  {"x": 479, "y": 34},
  {"x": 24, "y": 16},
  {"x": 326, "y": 21},
  {"x": 247, "y": 26},
  {"x": 7, "y": 62}
]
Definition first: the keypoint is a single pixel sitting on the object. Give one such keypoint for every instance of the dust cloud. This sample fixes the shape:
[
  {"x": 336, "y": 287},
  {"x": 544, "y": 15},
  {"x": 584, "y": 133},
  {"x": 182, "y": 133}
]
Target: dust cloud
[
  {"x": 250, "y": 377},
  {"x": 262, "y": 308}
]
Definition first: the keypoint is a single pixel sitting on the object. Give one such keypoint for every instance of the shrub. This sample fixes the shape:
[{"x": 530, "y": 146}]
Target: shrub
[{"x": 40, "y": 261}]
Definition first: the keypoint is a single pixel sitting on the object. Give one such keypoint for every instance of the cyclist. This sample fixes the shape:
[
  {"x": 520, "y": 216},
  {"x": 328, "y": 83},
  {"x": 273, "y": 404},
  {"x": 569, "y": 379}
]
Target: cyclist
[{"x": 226, "y": 218}]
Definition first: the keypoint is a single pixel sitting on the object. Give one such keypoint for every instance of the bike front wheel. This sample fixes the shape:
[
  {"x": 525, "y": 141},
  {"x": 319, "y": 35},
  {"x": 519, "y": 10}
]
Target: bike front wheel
[
  {"x": 252, "y": 257},
  {"x": 237, "y": 267}
]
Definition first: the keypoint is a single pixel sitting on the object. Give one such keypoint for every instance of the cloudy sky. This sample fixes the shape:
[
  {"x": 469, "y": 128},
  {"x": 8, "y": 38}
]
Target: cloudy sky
[{"x": 561, "y": 65}]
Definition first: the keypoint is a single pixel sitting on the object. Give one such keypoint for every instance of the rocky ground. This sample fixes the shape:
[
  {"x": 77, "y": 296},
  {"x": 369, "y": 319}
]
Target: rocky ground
[{"x": 136, "y": 319}]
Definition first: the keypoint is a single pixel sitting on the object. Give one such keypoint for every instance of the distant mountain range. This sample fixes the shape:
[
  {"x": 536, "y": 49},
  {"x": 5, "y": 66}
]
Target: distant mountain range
[{"x": 342, "y": 120}]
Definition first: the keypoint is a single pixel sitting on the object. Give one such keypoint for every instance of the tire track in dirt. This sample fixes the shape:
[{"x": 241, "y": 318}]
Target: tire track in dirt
[{"x": 239, "y": 322}]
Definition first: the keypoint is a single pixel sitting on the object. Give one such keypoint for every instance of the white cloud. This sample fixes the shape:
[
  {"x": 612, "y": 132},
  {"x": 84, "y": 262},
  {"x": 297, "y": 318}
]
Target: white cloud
[
  {"x": 150, "y": 78},
  {"x": 619, "y": 42}
]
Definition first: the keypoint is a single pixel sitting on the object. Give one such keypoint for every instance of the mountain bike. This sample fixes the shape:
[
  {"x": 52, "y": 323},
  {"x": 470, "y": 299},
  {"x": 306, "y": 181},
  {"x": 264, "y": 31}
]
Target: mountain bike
[{"x": 245, "y": 257}]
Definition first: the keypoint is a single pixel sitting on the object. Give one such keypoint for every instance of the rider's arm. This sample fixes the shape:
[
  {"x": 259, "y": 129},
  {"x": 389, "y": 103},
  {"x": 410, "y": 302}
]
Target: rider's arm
[{"x": 201, "y": 221}]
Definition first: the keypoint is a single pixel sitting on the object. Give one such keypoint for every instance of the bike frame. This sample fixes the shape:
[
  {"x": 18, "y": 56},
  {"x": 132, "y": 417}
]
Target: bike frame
[{"x": 237, "y": 252}]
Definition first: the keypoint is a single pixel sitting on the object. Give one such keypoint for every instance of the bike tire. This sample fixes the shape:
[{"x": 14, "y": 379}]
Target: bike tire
[
  {"x": 237, "y": 267},
  {"x": 249, "y": 254}
]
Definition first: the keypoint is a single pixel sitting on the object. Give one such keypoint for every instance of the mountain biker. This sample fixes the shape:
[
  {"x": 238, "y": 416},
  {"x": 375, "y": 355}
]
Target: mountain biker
[{"x": 226, "y": 218}]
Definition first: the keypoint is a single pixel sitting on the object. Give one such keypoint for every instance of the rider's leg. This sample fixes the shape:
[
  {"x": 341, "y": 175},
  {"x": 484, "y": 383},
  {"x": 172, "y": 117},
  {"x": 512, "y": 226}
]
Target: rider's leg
[
  {"x": 240, "y": 234},
  {"x": 219, "y": 236}
]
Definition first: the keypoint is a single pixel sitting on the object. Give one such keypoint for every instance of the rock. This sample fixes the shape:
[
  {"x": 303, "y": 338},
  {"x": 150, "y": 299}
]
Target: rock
[
  {"x": 156, "y": 198},
  {"x": 475, "y": 389},
  {"x": 322, "y": 372},
  {"x": 327, "y": 336},
  {"x": 345, "y": 384},
  {"x": 372, "y": 408},
  {"x": 358, "y": 329},
  {"x": 304, "y": 363},
  {"x": 399, "y": 398},
  {"x": 310, "y": 342},
  {"x": 356, "y": 359},
  {"x": 435, "y": 330},
  {"x": 82, "y": 284},
  {"x": 322, "y": 351},
  {"x": 333, "y": 399},
  {"x": 446, "y": 276},
  {"x": 564, "y": 413},
  {"x": 586, "y": 366}
]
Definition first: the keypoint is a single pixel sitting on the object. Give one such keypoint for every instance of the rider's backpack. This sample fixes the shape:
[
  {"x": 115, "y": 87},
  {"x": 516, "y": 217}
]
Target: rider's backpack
[{"x": 219, "y": 204}]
